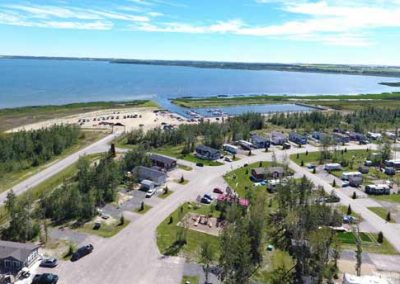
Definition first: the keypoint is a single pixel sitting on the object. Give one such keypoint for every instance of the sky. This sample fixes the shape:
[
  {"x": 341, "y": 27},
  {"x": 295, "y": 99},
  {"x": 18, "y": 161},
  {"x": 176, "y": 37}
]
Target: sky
[{"x": 302, "y": 31}]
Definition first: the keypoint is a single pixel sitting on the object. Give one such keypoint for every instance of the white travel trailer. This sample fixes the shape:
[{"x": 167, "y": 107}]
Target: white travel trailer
[
  {"x": 230, "y": 148},
  {"x": 333, "y": 167},
  {"x": 348, "y": 175}
]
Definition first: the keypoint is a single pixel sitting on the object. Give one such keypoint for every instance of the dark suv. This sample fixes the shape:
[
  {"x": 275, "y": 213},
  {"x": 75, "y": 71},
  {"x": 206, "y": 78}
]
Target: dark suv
[
  {"x": 81, "y": 252},
  {"x": 45, "y": 278}
]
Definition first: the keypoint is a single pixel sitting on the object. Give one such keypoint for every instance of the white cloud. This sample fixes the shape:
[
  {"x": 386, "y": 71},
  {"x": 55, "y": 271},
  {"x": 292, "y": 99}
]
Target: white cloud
[
  {"x": 332, "y": 22},
  {"x": 336, "y": 22}
]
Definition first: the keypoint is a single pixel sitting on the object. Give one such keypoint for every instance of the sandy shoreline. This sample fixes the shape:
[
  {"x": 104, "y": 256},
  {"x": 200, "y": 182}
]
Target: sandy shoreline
[{"x": 126, "y": 118}]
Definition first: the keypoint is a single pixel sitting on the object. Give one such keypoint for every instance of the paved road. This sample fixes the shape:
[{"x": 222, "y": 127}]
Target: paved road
[
  {"x": 132, "y": 256},
  {"x": 97, "y": 147}
]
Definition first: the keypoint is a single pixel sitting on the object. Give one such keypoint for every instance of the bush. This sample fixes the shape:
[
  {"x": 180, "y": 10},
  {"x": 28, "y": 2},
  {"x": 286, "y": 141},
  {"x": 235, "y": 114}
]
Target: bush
[
  {"x": 122, "y": 220},
  {"x": 334, "y": 183},
  {"x": 388, "y": 217},
  {"x": 349, "y": 211},
  {"x": 141, "y": 206},
  {"x": 354, "y": 195},
  {"x": 380, "y": 238},
  {"x": 182, "y": 179},
  {"x": 307, "y": 153},
  {"x": 314, "y": 170},
  {"x": 302, "y": 163}
]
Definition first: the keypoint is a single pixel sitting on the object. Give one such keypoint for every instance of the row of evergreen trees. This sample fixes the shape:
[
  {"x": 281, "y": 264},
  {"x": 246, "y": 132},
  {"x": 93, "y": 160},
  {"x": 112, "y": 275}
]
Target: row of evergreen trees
[
  {"x": 25, "y": 149},
  {"x": 213, "y": 134},
  {"x": 366, "y": 119}
]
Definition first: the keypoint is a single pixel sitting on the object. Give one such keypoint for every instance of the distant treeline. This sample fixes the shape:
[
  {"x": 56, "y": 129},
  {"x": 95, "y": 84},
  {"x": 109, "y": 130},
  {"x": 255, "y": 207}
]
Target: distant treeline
[
  {"x": 368, "y": 119},
  {"x": 392, "y": 71},
  {"x": 317, "y": 68},
  {"x": 26, "y": 149}
]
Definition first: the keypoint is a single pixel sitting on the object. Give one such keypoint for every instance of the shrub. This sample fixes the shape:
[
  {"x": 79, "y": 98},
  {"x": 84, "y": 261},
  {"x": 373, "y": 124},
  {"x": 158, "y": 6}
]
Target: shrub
[
  {"x": 354, "y": 195},
  {"x": 349, "y": 211},
  {"x": 380, "y": 237},
  {"x": 388, "y": 217}
]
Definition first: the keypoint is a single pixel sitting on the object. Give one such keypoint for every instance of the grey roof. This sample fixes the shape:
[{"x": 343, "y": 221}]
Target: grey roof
[
  {"x": 259, "y": 139},
  {"x": 276, "y": 134},
  {"x": 19, "y": 251},
  {"x": 147, "y": 182},
  {"x": 149, "y": 173},
  {"x": 163, "y": 159},
  {"x": 207, "y": 149}
]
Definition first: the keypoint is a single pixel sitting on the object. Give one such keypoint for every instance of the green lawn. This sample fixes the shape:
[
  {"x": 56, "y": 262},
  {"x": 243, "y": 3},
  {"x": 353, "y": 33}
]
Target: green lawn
[
  {"x": 368, "y": 242},
  {"x": 358, "y": 156},
  {"x": 239, "y": 179},
  {"x": 381, "y": 212},
  {"x": 190, "y": 279},
  {"x": 166, "y": 234},
  {"x": 184, "y": 167},
  {"x": 389, "y": 198},
  {"x": 176, "y": 152},
  {"x": 106, "y": 230},
  {"x": 145, "y": 209},
  {"x": 11, "y": 179},
  {"x": 163, "y": 195}
]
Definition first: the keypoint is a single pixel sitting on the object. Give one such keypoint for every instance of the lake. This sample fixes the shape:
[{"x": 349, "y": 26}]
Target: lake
[{"x": 26, "y": 82}]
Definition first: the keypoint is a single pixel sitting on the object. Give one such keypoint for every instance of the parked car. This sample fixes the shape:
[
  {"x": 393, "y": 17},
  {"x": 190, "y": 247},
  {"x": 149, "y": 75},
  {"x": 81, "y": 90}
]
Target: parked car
[
  {"x": 205, "y": 200},
  {"x": 227, "y": 159},
  {"x": 105, "y": 216},
  {"x": 208, "y": 196},
  {"x": 150, "y": 192},
  {"x": 49, "y": 262},
  {"x": 81, "y": 252},
  {"x": 345, "y": 183},
  {"x": 390, "y": 171},
  {"x": 311, "y": 166},
  {"x": 200, "y": 164},
  {"x": 286, "y": 146},
  {"x": 218, "y": 190},
  {"x": 45, "y": 278},
  {"x": 24, "y": 273}
]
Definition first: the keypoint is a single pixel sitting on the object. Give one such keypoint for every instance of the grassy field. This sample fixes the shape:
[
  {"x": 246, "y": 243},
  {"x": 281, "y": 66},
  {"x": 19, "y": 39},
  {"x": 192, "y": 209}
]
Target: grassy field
[
  {"x": 239, "y": 179},
  {"x": 339, "y": 102},
  {"x": 15, "y": 117},
  {"x": 388, "y": 198},
  {"x": 166, "y": 235},
  {"x": 146, "y": 208},
  {"x": 165, "y": 195},
  {"x": 106, "y": 230},
  {"x": 381, "y": 212},
  {"x": 368, "y": 241},
  {"x": 9, "y": 180},
  {"x": 190, "y": 279},
  {"x": 176, "y": 152},
  {"x": 357, "y": 156},
  {"x": 184, "y": 167}
]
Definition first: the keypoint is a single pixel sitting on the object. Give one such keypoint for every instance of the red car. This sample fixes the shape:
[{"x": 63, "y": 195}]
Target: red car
[{"x": 218, "y": 190}]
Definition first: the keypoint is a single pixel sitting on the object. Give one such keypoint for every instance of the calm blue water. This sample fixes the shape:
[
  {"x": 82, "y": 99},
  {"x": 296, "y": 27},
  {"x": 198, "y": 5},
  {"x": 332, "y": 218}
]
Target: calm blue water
[{"x": 37, "y": 82}]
